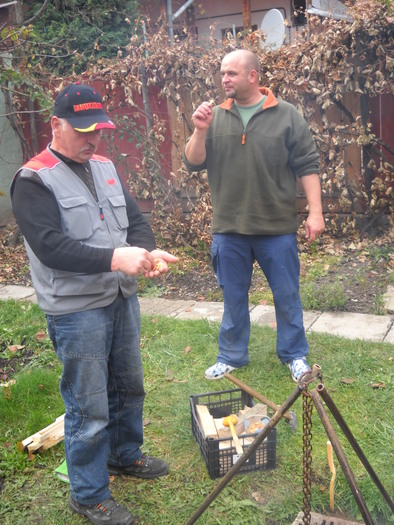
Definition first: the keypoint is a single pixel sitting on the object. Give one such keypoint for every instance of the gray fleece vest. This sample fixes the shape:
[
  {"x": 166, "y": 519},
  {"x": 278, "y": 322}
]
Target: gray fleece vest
[{"x": 62, "y": 292}]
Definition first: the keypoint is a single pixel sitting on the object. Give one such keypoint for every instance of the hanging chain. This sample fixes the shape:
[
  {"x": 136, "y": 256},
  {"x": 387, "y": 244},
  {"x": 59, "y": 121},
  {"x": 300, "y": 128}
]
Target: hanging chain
[{"x": 307, "y": 406}]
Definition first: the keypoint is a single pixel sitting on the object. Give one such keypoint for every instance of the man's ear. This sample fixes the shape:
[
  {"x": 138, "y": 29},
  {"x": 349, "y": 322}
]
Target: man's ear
[
  {"x": 254, "y": 76},
  {"x": 55, "y": 125}
]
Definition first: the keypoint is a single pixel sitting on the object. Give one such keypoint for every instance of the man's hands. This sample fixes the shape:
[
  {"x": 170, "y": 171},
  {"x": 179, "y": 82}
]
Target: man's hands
[
  {"x": 195, "y": 151},
  {"x": 202, "y": 117},
  {"x": 132, "y": 260},
  {"x": 314, "y": 226},
  {"x": 160, "y": 263}
]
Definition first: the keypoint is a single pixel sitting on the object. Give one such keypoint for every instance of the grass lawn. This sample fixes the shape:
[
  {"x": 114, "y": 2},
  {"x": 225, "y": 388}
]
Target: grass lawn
[{"x": 175, "y": 354}]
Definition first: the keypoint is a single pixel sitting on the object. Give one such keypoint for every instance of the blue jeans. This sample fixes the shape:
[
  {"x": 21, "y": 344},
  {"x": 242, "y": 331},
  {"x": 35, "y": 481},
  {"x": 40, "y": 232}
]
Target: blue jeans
[
  {"x": 233, "y": 256},
  {"x": 103, "y": 392}
]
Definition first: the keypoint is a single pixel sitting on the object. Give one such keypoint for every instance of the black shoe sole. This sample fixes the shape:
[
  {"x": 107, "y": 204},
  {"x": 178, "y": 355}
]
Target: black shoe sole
[
  {"x": 81, "y": 512},
  {"x": 115, "y": 472}
]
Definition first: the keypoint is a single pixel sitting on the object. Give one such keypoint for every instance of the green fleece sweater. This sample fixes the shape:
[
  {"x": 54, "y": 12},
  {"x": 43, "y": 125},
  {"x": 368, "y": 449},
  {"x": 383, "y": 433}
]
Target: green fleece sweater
[{"x": 252, "y": 172}]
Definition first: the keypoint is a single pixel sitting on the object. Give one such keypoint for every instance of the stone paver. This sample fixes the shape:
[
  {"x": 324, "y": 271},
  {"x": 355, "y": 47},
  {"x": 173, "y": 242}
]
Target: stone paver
[
  {"x": 353, "y": 325},
  {"x": 390, "y": 335},
  {"x": 263, "y": 315},
  {"x": 16, "y": 292},
  {"x": 310, "y": 319},
  {"x": 158, "y": 306},
  {"x": 378, "y": 328},
  {"x": 389, "y": 299},
  {"x": 210, "y": 311}
]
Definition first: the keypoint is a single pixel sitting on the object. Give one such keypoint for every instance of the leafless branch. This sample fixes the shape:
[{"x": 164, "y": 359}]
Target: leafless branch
[{"x": 37, "y": 15}]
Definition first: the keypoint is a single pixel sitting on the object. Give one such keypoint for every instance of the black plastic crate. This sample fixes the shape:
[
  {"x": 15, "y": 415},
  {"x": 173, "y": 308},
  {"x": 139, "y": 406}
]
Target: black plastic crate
[{"x": 220, "y": 460}]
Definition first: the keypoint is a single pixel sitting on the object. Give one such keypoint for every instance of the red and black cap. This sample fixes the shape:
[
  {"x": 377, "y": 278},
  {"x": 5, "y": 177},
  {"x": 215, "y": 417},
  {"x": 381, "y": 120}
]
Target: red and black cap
[{"x": 82, "y": 107}]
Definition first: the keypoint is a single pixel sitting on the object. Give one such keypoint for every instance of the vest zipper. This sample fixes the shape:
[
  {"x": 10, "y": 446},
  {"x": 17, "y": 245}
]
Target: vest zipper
[
  {"x": 101, "y": 213},
  {"x": 243, "y": 137}
]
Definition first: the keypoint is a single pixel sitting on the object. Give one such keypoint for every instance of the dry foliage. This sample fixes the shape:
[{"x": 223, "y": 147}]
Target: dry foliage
[
  {"x": 330, "y": 74},
  {"x": 332, "y": 63}
]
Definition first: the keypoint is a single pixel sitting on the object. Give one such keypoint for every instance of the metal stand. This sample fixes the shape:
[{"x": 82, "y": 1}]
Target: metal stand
[
  {"x": 282, "y": 411},
  {"x": 314, "y": 373}
]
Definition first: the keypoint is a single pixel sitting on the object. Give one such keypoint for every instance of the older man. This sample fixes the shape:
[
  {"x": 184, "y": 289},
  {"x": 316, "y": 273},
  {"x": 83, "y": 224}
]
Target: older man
[{"x": 87, "y": 241}]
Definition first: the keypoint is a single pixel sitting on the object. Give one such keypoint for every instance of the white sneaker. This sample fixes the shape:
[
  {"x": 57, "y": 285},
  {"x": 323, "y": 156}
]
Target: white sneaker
[
  {"x": 218, "y": 370},
  {"x": 297, "y": 367}
]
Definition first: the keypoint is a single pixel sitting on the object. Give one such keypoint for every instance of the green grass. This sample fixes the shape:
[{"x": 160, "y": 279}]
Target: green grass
[
  {"x": 147, "y": 288},
  {"x": 19, "y": 322},
  {"x": 175, "y": 355},
  {"x": 325, "y": 297}
]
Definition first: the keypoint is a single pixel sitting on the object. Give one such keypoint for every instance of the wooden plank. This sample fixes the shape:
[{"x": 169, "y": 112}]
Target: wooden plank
[
  {"x": 45, "y": 438},
  {"x": 206, "y": 421}
]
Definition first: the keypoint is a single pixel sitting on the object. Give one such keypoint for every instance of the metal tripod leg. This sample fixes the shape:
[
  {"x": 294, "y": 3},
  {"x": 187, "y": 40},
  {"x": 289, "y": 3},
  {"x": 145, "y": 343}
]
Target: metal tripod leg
[
  {"x": 347, "y": 432},
  {"x": 341, "y": 457},
  {"x": 290, "y": 416},
  {"x": 312, "y": 375},
  {"x": 245, "y": 456}
]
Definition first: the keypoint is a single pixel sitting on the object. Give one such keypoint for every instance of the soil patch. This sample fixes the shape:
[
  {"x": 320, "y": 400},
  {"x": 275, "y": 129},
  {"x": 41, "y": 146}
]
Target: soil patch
[
  {"x": 363, "y": 276},
  {"x": 363, "y": 269}
]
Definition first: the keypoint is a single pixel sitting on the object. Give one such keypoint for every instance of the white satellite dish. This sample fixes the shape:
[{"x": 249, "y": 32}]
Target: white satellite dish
[{"x": 273, "y": 29}]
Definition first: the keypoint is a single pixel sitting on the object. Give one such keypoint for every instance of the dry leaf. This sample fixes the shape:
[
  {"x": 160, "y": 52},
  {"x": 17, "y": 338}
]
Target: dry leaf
[
  {"x": 187, "y": 349},
  {"x": 8, "y": 383},
  {"x": 347, "y": 380},
  {"x": 14, "y": 348},
  {"x": 41, "y": 335},
  {"x": 7, "y": 393},
  {"x": 379, "y": 384},
  {"x": 257, "y": 496}
]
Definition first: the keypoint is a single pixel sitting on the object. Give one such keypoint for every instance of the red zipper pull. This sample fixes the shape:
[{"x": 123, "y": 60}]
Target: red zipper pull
[
  {"x": 101, "y": 213},
  {"x": 243, "y": 137}
]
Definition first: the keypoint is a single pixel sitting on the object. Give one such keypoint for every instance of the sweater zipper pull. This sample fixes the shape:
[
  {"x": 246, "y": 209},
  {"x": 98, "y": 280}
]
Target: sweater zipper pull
[
  {"x": 243, "y": 137},
  {"x": 101, "y": 213}
]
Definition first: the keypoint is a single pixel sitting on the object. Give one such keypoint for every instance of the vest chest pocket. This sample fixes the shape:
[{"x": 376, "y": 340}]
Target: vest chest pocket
[
  {"x": 76, "y": 217},
  {"x": 118, "y": 207}
]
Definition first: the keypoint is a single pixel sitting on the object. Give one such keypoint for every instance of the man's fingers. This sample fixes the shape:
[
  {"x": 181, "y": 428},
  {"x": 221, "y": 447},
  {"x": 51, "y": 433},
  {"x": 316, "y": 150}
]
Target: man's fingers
[
  {"x": 146, "y": 265},
  {"x": 203, "y": 111}
]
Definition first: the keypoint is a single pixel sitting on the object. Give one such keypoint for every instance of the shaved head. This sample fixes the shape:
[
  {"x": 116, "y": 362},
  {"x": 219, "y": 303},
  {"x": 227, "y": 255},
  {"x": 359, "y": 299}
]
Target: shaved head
[
  {"x": 240, "y": 77},
  {"x": 246, "y": 58}
]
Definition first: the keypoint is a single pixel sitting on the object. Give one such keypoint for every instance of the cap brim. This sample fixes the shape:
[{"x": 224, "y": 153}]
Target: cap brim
[
  {"x": 92, "y": 123},
  {"x": 94, "y": 127}
]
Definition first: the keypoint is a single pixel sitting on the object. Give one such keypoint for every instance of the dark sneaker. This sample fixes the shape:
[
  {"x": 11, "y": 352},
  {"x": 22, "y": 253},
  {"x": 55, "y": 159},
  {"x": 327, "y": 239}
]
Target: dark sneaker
[
  {"x": 145, "y": 467},
  {"x": 106, "y": 513}
]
